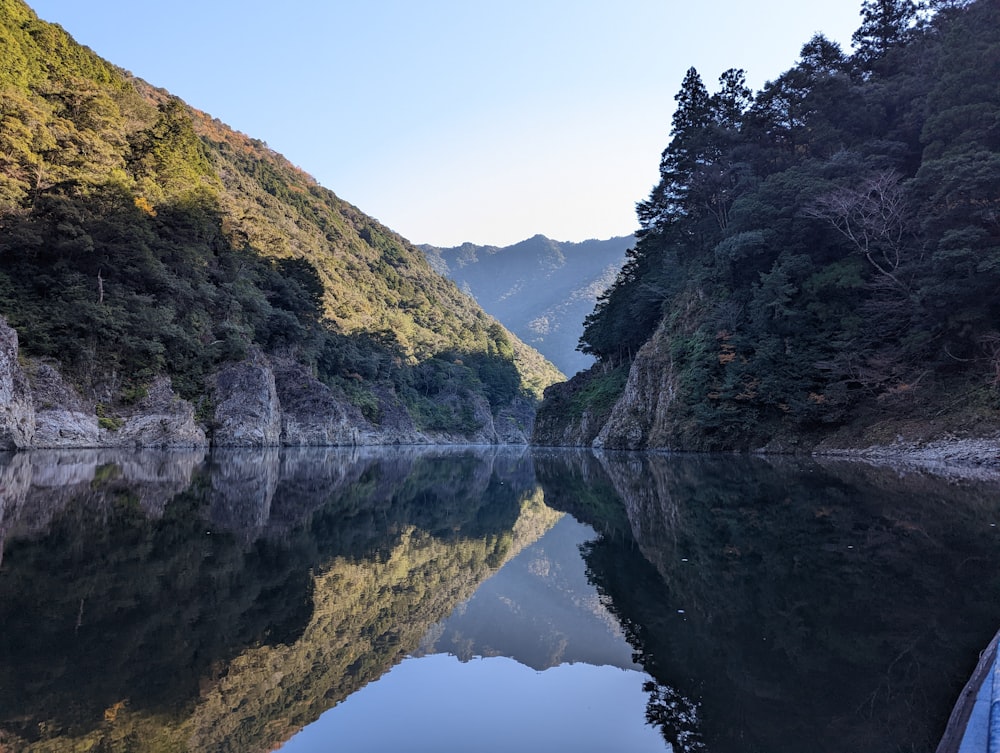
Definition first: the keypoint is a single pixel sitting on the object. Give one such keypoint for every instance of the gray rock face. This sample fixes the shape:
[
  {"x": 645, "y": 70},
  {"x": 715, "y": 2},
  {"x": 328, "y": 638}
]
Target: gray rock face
[
  {"x": 62, "y": 419},
  {"x": 260, "y": 402},
  {"x": 17, "y": 414},
  {"x": 247, "y": 412},
  {"x": 310, "y": 412},
  {"x": 642, "y": 416},
  {"x": 514, "y": 423},
  {"x": 161, "y": 419}
]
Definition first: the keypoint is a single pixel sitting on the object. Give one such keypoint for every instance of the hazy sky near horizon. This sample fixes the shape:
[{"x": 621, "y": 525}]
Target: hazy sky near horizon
[{"x": 457, "y": 120}]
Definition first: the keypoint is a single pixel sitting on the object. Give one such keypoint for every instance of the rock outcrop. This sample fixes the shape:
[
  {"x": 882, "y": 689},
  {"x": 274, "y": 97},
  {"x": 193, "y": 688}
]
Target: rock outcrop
[
  {"x": 561, "y": 421},
  {"x": 17, "y": 414},
  {"x": 641, "y": 418},
  {"x": 62, "y": 418},
  {"x": 311, "y": 415},
  {"x": 259, "y": 402},
  {"x": 247, "y": 412}
]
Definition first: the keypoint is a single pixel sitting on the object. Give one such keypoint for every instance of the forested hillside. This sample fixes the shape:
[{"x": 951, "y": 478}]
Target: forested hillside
[
  {"x": 820, "y": 258},
  {"x": 139, "y": 237},
  {"x": 540, "y": 289}
]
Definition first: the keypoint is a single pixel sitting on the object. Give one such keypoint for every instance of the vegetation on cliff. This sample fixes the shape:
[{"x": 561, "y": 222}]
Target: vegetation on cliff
[
  {"x": 140, "y": 237},
  {"x": 825, "y": 253}
]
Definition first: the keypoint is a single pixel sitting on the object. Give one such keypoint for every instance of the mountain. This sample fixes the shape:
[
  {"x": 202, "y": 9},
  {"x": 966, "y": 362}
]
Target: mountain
[
  {"x": 150, "y": 254},
  {"x": 817, "y": 267},
  {"x": 540, "y": 289}
]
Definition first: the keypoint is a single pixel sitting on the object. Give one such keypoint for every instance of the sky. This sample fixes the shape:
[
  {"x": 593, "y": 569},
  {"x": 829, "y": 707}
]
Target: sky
[{"x": 456, "y": 121}]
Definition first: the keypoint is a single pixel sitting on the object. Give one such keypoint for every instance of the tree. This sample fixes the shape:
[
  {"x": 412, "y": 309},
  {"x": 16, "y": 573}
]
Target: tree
[
  {"x": 822, "y": 57},
  {"x": 689, "y": 140},
  {"x": 885, "y": 24},
  {"x": 872, "y": 216},
  {"x": 732, "y": 100}
]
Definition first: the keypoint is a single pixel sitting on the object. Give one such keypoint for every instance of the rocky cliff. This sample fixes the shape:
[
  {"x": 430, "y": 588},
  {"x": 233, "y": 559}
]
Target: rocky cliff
[
  {"x": 648, "y": 414},
  {"x": 261, "y": 401},
  {"x": 642, "y": 417}
]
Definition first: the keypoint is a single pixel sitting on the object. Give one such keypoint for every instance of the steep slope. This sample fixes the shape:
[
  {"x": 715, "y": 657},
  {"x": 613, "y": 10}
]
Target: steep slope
[
  {"x": 142, "y": 238},
  {"x": 539, "y": 288},
  {"x": 818, "y": 265}
]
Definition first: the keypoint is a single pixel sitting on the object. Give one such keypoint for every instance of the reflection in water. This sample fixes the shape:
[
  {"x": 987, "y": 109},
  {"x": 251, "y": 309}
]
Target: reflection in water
[
  {"x": 497, "y": 705},
  {"x": 537, "y": 663},
  {"x": 540, "y": 609},
  {"x": 224, "y": 616},
  {"x": 787, "y": 605},
  {"x": 222, "y": 602}
]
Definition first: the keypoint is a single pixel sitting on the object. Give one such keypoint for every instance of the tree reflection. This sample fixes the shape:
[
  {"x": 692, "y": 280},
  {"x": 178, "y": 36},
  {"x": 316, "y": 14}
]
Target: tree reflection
[
  {"x": 785, "y": 597},
  {"x": 138, "y": 605}
]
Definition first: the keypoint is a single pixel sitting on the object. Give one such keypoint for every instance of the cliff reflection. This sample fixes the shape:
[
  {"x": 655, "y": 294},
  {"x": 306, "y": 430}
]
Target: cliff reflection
[
  {"x": 786, "y": 605},
  {"x": 220, "y": 602},
  {"x": 156, "y": 601}
]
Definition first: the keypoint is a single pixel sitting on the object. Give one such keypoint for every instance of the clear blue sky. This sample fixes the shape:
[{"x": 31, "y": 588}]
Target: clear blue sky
[{"x": 457, "y": 120}]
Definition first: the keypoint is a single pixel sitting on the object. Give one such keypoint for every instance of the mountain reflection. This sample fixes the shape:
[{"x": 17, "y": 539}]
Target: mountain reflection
[
  {"x": 786, "y": 605},
  {"x": 223, "y": 601},
  {"x": 191, "y": 602}
]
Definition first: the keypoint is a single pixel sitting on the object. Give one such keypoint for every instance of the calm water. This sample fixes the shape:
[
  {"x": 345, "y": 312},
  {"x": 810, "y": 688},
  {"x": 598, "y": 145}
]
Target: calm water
[{"x": 487, "y": 600}]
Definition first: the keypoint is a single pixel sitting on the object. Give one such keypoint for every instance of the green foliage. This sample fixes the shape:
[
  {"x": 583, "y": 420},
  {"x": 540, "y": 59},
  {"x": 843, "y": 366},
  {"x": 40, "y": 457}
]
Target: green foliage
[
  {"x": 600, "y": 393},
  {"x": 110, "y": 423},
  {"x": 829, "y": 251},
  {"x": 138, "y": 237},
  {"x": 591, "y": 394}
]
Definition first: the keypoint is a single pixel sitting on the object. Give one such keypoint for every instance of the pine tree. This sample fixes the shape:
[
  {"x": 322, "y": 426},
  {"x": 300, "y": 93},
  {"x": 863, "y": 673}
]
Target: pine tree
[
  {"x": 884, "y": 24},
  {"x": 689, "y": 141}
]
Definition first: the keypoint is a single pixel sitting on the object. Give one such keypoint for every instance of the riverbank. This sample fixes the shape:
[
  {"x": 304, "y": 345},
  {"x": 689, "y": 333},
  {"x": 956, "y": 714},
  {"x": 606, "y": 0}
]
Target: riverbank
[{"x": 949, "y": 456}]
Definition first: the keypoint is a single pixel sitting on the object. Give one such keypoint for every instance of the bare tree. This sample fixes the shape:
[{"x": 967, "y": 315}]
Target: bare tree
[{"x": 872, "y": 216}]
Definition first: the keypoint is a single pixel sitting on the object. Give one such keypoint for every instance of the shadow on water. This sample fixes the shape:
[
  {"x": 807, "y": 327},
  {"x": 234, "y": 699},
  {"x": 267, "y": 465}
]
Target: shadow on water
[
  {"x": 785, "y": 605},
  {"x": 131, "y": 582}
]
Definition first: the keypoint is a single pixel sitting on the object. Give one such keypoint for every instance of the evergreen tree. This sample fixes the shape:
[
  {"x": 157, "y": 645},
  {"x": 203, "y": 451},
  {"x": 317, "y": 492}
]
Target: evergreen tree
[
  {"x": 732, "y": 100},
  {"x": 885, "y": 24},
  {"x": 687, "y": 147}
]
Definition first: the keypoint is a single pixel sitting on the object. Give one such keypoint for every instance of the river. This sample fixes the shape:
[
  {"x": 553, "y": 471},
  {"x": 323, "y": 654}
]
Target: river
[{"x": 488, "y": 599}]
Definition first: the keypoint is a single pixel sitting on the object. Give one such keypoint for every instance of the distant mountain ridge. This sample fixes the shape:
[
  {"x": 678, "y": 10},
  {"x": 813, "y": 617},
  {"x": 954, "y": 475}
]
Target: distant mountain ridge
[{"x": 540, "y": 289}]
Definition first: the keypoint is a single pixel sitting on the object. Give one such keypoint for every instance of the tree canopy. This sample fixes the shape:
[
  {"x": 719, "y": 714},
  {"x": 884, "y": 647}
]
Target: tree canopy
[
  {"x": 139, "y": 236},
  {"x": 827, "y": 248}
]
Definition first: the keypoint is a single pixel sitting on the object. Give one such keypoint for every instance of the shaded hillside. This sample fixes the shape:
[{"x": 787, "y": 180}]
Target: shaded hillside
[
  {"x": 141, "y": 237},
  {"x": 819, "y": 261},
  {"x": 540, "y": 289}
]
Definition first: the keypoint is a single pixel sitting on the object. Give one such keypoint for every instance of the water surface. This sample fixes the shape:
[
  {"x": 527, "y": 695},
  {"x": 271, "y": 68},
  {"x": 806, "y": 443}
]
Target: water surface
[{"x": 488, "y": 599}]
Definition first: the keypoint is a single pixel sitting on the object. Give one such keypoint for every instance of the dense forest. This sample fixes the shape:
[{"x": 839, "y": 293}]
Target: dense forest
[
  {"x": 139, "y": 237},
  {"x": 823, "y": 253}
]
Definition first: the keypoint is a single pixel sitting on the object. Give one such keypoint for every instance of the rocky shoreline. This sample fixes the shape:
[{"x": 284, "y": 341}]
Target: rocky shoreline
[
  {"x": 951, "y": 457},
  {"x": 263, "y": 401}
]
